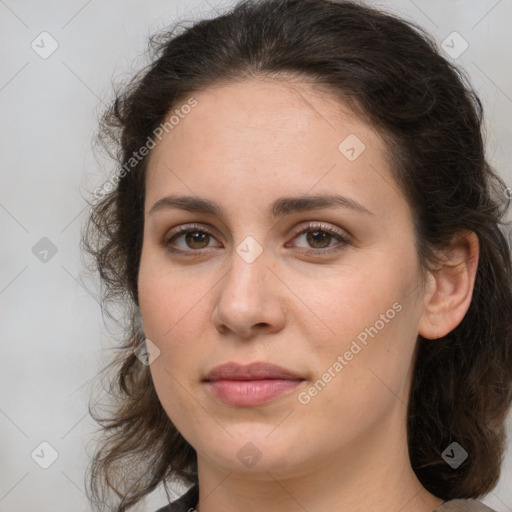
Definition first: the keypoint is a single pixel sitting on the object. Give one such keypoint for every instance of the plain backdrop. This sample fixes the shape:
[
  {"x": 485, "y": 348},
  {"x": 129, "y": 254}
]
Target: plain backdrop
[{"x": 58, "y": 62}]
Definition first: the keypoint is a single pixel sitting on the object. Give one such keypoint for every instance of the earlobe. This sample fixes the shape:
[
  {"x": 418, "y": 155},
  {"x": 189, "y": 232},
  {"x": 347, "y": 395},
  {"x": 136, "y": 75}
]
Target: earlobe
[{"x": 450, "y": 289}]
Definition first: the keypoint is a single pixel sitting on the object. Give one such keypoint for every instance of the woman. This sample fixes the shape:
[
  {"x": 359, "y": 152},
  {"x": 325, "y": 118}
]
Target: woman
[{"x": 306, "y": 234}]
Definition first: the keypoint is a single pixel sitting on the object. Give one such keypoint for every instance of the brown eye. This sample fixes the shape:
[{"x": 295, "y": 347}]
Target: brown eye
[
  {"x": 188, "y": 239},
  {"x": 321, "y": 239},
  {"x": 196, "y": 239}
]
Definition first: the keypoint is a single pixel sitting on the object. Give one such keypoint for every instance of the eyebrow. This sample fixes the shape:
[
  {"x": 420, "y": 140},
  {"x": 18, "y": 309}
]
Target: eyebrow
[{"x": 281, "y": 206}]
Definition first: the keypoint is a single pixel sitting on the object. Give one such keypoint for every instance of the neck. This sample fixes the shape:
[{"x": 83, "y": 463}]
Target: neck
[{"x": 372, "y": 473}]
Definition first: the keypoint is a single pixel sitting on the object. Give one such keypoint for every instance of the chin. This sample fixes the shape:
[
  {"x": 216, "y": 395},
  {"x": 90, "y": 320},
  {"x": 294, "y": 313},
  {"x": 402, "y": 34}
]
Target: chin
[{"x": 254, "y": 451}]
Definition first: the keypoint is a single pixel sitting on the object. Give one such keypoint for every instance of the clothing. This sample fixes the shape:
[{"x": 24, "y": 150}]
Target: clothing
[
  {"x": 188, "y": 502},
  {"x": 462, "y": 506},
  {"x": 185, "y": 503}
]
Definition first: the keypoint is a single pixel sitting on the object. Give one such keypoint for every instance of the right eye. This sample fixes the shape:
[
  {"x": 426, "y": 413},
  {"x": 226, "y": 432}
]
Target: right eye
[{"x": 192, "y": 238}]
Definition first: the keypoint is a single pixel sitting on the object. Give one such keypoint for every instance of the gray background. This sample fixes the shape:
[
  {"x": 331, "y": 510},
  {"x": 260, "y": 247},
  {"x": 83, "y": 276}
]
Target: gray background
[{"x": 53, "y": 339}]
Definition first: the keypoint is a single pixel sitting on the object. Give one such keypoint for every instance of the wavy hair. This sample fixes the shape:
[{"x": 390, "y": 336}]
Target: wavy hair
[{"x": 391, "y": 74}]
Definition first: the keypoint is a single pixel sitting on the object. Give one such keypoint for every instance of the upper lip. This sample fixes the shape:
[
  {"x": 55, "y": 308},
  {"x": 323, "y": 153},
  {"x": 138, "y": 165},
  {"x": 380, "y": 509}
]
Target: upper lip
[{"x": 253, "y": 371}]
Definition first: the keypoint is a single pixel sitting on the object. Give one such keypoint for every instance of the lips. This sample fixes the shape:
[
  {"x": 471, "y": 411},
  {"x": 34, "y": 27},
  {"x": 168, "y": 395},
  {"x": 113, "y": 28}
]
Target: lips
[
  {"x": 253, "y": 371},
  {"x": 250, "y": 385}
]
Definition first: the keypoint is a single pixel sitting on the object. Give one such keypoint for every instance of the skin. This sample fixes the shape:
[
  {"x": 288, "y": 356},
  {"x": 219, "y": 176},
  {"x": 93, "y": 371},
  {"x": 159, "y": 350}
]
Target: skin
[{"x": 243, "y": 146}]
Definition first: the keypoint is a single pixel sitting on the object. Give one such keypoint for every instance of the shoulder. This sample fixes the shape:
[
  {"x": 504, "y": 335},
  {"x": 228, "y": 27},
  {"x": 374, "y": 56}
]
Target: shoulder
[
  {"x": 463, "y": 506},
  {"x": 185, "y": 503}
]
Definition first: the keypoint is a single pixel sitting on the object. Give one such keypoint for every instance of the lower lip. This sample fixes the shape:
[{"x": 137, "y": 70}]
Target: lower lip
[{"x": 251, "y": 392}]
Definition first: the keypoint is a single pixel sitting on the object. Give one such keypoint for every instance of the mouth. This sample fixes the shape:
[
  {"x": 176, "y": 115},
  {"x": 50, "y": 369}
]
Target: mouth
[{"x": 250, "y": 385}]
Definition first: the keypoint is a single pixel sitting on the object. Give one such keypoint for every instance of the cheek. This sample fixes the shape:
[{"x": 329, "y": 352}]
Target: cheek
[
  {"x": 369, "y": 318},
  {"x": 345, "y": 303},
  {"x": 171, "y": 322},
  {"x": 171, "y": 305},
  {"x": 167, "y": 298},
  {"x": 168, "y": 321},
  {"x": 360, "y": 372}
]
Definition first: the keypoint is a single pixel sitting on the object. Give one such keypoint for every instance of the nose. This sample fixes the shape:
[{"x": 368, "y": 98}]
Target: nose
[{"x": 249, "y": 300}]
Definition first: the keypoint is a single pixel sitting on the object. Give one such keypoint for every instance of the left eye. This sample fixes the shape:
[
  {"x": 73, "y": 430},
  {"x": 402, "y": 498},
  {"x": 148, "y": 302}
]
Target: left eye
[{"x": 321, "y": 237}]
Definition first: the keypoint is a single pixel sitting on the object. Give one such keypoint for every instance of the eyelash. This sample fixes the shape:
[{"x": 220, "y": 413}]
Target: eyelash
[{"x": 193, "y": 228}]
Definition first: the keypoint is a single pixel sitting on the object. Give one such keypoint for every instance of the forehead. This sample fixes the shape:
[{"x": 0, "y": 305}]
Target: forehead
[
  {"x": 288, "y": 108},
  {"x": 266, "y": 135},
  {"x": 261, "y": 110}
]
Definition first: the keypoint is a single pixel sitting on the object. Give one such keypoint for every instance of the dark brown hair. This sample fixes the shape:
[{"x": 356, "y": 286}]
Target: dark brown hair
[{"x": 391, "y": 74}]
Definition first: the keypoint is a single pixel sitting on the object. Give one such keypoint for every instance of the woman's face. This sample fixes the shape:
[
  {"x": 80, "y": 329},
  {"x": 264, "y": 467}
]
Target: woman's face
[{"x": 328, "y": 289}]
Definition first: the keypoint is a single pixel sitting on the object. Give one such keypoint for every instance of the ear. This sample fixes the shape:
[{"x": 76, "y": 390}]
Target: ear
[{"x": 450, "y": 289}]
